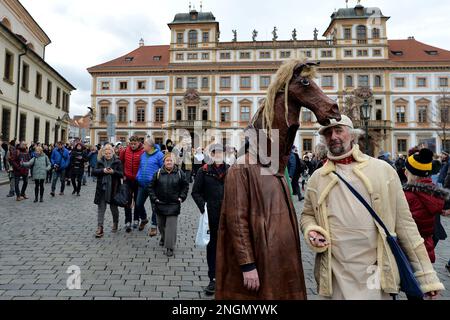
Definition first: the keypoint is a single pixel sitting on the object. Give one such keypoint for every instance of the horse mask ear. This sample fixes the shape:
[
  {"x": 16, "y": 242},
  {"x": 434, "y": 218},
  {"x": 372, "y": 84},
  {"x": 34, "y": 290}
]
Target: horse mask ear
[{"x": 305, "y": 69}]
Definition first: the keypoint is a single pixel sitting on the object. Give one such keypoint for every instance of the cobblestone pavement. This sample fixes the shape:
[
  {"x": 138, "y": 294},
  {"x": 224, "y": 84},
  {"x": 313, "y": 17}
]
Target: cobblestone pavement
[{"x": 39, "y": 242}]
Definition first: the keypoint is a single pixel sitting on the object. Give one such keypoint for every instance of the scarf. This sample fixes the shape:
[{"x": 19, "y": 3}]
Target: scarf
[
  {"x": 346, "y": 158},
  {"x": 219, "y": 172}
]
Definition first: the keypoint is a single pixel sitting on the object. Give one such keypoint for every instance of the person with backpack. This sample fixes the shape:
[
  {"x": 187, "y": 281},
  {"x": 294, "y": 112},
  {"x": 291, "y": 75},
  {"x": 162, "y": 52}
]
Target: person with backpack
[
  {"x": 168, "y": 189},
  {"x": 41, "y": 165}
]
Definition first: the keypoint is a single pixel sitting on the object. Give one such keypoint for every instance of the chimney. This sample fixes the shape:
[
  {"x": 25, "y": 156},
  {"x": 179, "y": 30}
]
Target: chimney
[{"x": 141, "y": 42}]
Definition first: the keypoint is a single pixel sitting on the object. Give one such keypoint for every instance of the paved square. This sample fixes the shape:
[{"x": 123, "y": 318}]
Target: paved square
[{"x": 39, "y": 242}]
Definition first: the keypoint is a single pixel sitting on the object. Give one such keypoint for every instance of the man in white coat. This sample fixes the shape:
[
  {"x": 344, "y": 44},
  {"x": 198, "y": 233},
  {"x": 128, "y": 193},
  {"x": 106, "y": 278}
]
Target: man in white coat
[{"x": 354, "y": 260}]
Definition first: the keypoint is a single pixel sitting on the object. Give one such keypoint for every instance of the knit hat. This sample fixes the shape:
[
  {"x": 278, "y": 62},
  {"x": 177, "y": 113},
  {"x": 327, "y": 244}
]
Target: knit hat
[{"x": 420, "y": 163}]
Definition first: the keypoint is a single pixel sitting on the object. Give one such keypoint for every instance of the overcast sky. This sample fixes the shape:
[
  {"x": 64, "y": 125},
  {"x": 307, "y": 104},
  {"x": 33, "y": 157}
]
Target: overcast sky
[{"x": 85, "y": 33}]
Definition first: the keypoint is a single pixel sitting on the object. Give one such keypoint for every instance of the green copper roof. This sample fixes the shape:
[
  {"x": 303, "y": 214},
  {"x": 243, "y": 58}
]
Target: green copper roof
[
  {"x": 357, "y": 12},
  {"x": 194, "y": 17}
]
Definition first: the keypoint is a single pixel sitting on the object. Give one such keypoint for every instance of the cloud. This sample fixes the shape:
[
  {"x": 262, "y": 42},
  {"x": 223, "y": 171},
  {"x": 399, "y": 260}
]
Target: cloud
[{"x": 85, "y": 33}]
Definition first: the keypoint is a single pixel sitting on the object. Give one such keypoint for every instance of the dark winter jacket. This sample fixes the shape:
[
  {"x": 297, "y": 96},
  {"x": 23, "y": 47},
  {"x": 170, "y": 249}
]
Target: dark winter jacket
[
  {"x": 92, "y": 158},
  {"x": 130, "y": 161},
  {"x": 116, "y": 179},
  {"x": 426, "y": 201},
  {"x": 77, "y": 161},
  {"x": 209, "y": 188},
  {"x": 165, "y": 190}
]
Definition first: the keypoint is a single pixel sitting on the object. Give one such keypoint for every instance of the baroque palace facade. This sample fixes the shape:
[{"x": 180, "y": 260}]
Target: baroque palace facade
[
  {"x": 198, "y": 80},
  {"x": 34, "y": 97}
]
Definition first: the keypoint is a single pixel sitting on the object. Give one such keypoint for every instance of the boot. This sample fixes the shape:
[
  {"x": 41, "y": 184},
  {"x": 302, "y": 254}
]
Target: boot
[
  {"x": 35, "y": 200},
  {"x": 211, "y": 288},
  {"x": 115, "y": 227},
  {"x": 99, "y": 232},
  {"x": 153, "y": 232},
  {"x": 41, "y": 200},
  {"x": 142, "y": 225}
]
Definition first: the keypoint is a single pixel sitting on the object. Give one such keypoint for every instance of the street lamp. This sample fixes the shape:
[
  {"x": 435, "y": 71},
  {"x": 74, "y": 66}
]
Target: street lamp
[{"x": 366, "y": 111}]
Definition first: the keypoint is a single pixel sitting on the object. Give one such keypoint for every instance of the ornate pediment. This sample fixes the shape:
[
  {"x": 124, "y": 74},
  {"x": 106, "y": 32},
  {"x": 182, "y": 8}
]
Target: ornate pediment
[
  {"x": 191, "y": 96},
  {"x": 363, "y": 93}
]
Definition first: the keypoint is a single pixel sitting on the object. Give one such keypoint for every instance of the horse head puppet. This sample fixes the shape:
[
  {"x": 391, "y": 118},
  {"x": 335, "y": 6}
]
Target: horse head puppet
[{"x": 277, "y": 119}]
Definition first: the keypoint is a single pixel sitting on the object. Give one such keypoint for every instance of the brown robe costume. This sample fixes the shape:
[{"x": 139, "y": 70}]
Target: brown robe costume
[{"x": 258, "y": 225}]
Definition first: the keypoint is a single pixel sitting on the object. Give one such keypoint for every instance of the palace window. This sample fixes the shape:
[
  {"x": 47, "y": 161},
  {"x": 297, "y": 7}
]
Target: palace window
[
  {"x": 348, "y": 81},
  {"x": 205, "y": 115},
  {"x": 363, "y": 81},
  {"x": 58, "y": 97},
  {"x": 141, "y": 85},
  {"x": 361, "y": 34},
  {"x": 376, "y": 52},
  {"x": 326, "y": 53},
  {"x": 375, "y": 33},
  {"x": 307, "y": 53},
  {"x": 264, "y": 55},
  {"x": 400, "y": 82},
  {"x": 192, "y": 83},
  {"x": 180, "y": 38},
  {"x": 179, "y": 115},
  {"x": 245, "y": 113},
  {"x": 245, "y": 55},
  {"x": 306, "y": 116},
  {"x": 140, "y": 114},
  {"x": 401, "y": 145},
  {"x": 160, "y": 84},
  {"x": 103, "y": 113},
  {"x": 445, "y": 114},
  {"x": 245, "y": 82},
  {"x": 400, "y": 114},
  {"x": 205, "y": 37},
  {"x": 205, "y": 82},
  {"x": 192, "y": 56},
  {"x": 192, "y": 113},
  {"x": 285, "y": 54},
  {"x": 25, "y": 77},
  {"x": 443, "y": 82},
  {"x": 123, "y": 85},
  {"x": 377, "y": 81},
  {"x": 38, "y": 92},
  {"x": 9, "y": 67},
  {"x": 205, "y": 55},
  {"x": 327, "y": 81},
  {"x": 422, "y": 116},
  {"x": 122, "y": 114},
  {"x": 105, "y": 85},
  {"x": 362, "y": 53},
  {"x": 347, "y": 33},
  {"x": 225, "y": 82},
  {"x": 225, "y": 55},
  {"x": 225, "y": 114},
  {"x": 307, "y": 145},
  {"x": 421, "y": 82},
  {"x": 49, "y": 91},
  {"x": 348, "y": 53},
  {"x": 264, "y": 82},
  {"x": 179, "y": 83},
  {"x": 193, "y": 39},
  {"x": 179, "y": 56}
]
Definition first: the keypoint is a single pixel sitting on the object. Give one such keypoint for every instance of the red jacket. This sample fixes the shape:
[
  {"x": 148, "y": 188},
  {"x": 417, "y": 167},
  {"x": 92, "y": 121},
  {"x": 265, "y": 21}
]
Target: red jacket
[
  {"x": 130, "y": 161},
  {"x": 425, "y": 202}
]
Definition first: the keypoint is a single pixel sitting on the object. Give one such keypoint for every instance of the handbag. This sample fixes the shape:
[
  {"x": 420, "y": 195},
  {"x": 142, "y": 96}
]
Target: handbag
[
  {"x": 408, "y": 281},
  {"x": 203, "y": 235},
  {"x": 123, "y": 196}
]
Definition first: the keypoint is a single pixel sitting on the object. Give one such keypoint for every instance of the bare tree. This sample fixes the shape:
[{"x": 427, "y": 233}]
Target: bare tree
[{"x": 441, "y": 117}]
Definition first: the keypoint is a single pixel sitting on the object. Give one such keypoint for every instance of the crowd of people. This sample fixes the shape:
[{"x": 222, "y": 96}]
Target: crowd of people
[{"x": 411, "y": 192}]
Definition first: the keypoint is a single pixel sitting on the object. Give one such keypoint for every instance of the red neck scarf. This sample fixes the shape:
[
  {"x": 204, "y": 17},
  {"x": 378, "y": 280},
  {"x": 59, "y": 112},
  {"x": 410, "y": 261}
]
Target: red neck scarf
[{"x": 346, "y": 160}]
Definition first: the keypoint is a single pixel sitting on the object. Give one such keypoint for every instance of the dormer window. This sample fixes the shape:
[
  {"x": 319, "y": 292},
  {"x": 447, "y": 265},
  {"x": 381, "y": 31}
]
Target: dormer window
[
  {"x": 156, "y": 58},
  {"x": 194, "y": 15},
  {"x": 129, "y": 59},
  {"x": 431, "y": 52},
  {"x": 397, "y": 53}
]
